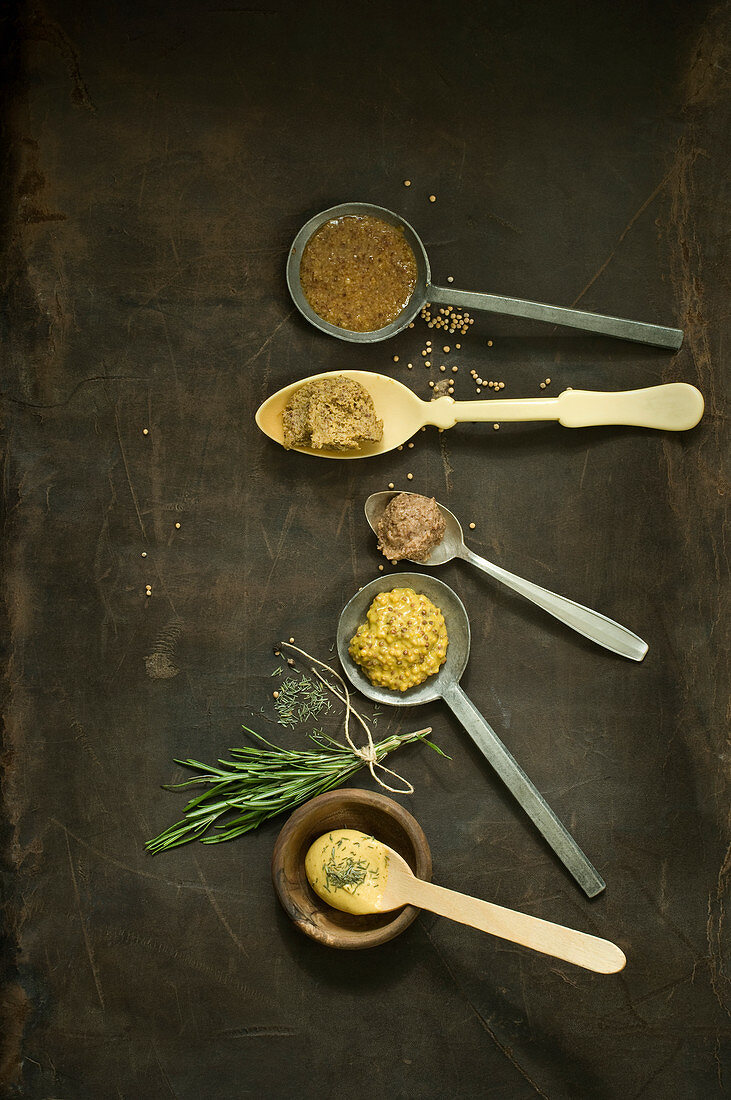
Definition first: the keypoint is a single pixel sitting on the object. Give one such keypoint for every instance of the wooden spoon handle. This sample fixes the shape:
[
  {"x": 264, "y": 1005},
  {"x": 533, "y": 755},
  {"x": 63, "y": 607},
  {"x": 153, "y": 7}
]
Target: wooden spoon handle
[{"x": 541, "y": 935}]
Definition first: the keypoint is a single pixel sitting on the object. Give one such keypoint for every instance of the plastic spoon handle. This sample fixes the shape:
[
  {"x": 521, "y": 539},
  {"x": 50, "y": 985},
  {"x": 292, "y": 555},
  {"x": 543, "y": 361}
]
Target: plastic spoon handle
[
  {"x": 598, "y": 628},
  {"x": 673, "y": 407},
  {"x": 568, "y": 944},
  {"x": 520, "y": 786},
  {"x": 639, "y": 331}
]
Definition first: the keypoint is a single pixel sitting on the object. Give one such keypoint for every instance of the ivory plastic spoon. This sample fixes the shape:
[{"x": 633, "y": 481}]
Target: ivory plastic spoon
[
  {"x": 674, "y": 407},
  {"x": 593, "y": 625},
  {"x": 397, "y": 885}
]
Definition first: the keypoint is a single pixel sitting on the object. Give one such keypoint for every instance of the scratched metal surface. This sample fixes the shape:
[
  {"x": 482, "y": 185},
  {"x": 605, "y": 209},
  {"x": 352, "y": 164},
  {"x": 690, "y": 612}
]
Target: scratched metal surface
[{"x": 161, "y": 157}]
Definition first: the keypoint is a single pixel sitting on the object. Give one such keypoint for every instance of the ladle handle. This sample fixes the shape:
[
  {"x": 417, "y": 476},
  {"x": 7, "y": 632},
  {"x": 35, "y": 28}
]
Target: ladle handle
[
  {"x": 640, "y": 331},
  {"x": 520, "y": 786},
  {"x": 598, "y": 628},
  {"x": 568, "y": 944}
]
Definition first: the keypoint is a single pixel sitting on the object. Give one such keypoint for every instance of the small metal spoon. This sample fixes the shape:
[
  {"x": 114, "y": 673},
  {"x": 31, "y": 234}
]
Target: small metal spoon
[
  {"x": 425, "y": 291},
  {"x": 445, "y": 685},
  {"x": 598, "y": 628}
]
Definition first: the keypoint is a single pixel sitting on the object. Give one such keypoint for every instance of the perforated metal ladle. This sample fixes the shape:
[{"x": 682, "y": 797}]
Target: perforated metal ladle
[
  {"x": 425, "y": 291},
  {"x": 445, "y": 685}
]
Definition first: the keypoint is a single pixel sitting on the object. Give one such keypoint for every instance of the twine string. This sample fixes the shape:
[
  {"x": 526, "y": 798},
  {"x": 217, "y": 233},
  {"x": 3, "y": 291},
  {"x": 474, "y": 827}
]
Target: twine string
[{"x": 368, "y": 752}]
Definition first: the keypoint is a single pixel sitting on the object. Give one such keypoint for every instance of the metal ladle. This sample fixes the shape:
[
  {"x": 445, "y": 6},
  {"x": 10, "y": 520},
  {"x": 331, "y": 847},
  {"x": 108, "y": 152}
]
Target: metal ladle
[
  {"x": 445, "y": 685},
  {"x": 598, "y": 628},
  {"x": 425, "y": 291}
]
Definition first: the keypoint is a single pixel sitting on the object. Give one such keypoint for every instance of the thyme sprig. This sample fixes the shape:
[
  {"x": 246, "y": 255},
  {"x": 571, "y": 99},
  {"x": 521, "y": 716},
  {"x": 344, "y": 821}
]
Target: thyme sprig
[{"x": 260, "y": 782}]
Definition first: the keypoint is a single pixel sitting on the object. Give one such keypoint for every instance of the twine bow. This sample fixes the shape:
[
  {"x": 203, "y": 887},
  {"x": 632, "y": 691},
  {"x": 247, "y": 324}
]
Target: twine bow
[{"x": 368, "y": 752}]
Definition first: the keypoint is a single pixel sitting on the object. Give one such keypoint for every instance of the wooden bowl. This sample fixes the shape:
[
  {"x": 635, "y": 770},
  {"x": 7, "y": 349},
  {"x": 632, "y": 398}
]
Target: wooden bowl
[{"x": 372, "y": 813}]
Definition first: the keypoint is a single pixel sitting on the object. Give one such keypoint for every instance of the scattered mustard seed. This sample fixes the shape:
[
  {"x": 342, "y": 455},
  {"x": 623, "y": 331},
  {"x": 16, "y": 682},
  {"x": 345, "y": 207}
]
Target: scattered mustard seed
[
  {"x": 177, "y": 526},
  {"x": 445, "y": 350},
  {"x": 432, "y": 198},
  {"x": 450, "y": 278},
  {"x": 548, "y": 381},
  {"x": 410, "y": 477},
  {"x": 407, "y": 183},
  {"x": 145, "y": 431},
  {"x": 380, "y": 568},
  {"x": 472, "y": 527},
  {"x": 489, "y": 343},
  {"x": 454, "y": 370},
  {"x": 291, "y": 641},
  {"x": 543, "y": 385},
  {"x": 442, "y": 367},
  {"x": 411, "y": 444},
  {"x": 496, "y": 426},
  {"x": 275, "y": 694},
  {"x": 395, "y": 358},
  {"x": 458, "y": 347},
  {"x": 144, "y": 553},
  {"x": 391, "y": 485}
]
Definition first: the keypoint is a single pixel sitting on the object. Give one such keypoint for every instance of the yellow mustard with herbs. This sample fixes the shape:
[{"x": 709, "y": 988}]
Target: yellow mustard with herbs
[{"x": 403, "y": 641}]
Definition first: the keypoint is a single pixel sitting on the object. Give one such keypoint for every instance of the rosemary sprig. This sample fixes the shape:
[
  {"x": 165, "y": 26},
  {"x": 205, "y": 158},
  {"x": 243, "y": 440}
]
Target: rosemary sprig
[{"x": 262, "y": 782}]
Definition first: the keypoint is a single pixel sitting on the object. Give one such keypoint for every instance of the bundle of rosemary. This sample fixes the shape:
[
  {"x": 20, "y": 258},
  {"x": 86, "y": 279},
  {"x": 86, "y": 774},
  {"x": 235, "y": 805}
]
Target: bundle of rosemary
[{"x": 261, "y": 782}]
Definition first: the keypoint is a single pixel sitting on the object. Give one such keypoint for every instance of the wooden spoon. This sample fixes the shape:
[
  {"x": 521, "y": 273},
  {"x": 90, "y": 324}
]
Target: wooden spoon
[
  {"x": 401, "y": 887},
  {"x": 675, "y": 407}
]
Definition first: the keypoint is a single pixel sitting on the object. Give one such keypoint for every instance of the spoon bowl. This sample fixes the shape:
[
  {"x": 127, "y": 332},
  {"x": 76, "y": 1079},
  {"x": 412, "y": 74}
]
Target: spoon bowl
[
  {"x": 674, "y": 406},
  {"x": 425, "y": 291},
  {"x": 444, "y": 684},
  {"x": 458, "y": 633},
  {"x": 359, "y": 209}
]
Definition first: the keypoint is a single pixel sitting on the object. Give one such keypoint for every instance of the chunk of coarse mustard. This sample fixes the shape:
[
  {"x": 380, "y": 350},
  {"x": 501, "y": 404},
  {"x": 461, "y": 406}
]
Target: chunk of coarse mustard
[{"x": 403, "y": 641}]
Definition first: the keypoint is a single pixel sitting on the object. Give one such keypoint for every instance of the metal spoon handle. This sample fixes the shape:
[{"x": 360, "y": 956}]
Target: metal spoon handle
[
  {"x": 598, "y": 628},
  {"x": 520, "y": 786},
  {"x": 639, "y": 331}
]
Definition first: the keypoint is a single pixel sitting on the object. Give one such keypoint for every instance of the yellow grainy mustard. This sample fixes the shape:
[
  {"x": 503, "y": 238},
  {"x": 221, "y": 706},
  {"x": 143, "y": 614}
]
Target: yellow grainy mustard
[{"x": 403, "y": 641}]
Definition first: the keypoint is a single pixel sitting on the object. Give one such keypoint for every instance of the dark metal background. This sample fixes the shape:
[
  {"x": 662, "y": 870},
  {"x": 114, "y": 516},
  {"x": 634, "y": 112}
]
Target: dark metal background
[{"x": 159, "y": 158}]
